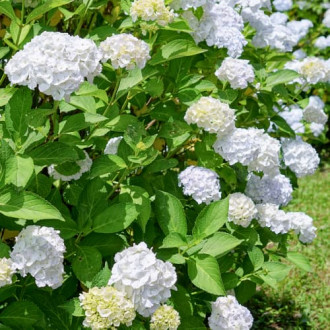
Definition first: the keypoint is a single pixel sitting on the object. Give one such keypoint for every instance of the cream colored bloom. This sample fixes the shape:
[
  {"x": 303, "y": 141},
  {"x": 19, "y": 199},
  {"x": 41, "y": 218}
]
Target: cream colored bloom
[
  {"x": 165, "y": 318},
  {"x": 6, "y": 271},
  {"x": 106, "y": 308}
]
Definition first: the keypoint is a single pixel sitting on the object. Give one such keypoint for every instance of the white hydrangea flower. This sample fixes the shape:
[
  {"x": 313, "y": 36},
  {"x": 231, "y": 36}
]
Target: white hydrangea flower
[
  {"x": 106, "y": 308},
  {"x": 299, "y": 54},
  {"x": 326, "y": 19},
  {"x": 146, "y": 280},
  {"x": 84, "y": 165},
  {"x": 293, "y": 115},
  {"x": 55, "y": 62},
  {"x": 202, "y": 184},
  {"x": 300, "y": 157},
  {"x": 187, "y": 4},
  {"x": 240, "y": 146},
  {"x": 112, "y": 146},
  {"x": 314, "y": 113},
  {"x": 39, "y": 251},
  {"x": 282, "y": 5},
  {"x": 212, "y": 115},
  {"x": 317, "y": 129},
  {"x": 165, "y": 318},
  {"x": 300, "y": 28},
  {"x": 257, "y": 19},
  {"x": 125, "y": 51},
  {"x": 276, "y": 190},
  {"x": 151, "y": 10},
  {"x": 253, "y": 4},
  {"x": 29, "y": 3},
  {"x": 271, "y": 217},
  {"x": 7, "y": 271},
  {"x": 241, "y": 209},
  {"x": 238, "y": 72},
  {"x": 228, "y": 314},
  {"x": 322, "y": 42},
  {"x": 302, "y": 224}
]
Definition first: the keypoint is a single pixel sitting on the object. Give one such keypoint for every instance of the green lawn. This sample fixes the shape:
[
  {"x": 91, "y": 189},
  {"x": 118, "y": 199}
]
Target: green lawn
[{"x": 303, "y": 299}]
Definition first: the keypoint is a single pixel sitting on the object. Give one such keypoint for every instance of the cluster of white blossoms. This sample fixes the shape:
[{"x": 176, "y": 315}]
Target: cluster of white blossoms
[
  {"x": 165, "y": 318},
  {"x": 316, "y": 129},
  {"x": 125, "y": 51},
  {"x": 238, "y": 72},
  {"x": 300, "y": 157},
  {"x": 280, "y": 222},
  {"x": 39, "y": 251},
  {"x": 228, "y": 314},
  {"x": 84, "y": 166},
  {"x": 251, "y": 147},
  {"x": 112, "y": 146},
  {"x": 187, "y": 4},
  {"x": 314, "y": 113},
  {"x": 322, "y": 42},
  {"x": 151, "y": 10},
  {"x": 276, "y": 190},
  {"x": 282, "y": 5},
  {"x": 201, "y": 183},
  {"x": 312, "y": 70},
  {"x": 7, "y": 271},
  {"x": 219, "y": 26},
  {"x": 326, "y": 19},
  {"x": 293, "y": 115},
  {"x": 146, "y": 280},
  {"x": 55, "y": 62},
  {"x": 241, "y": 209},
  {"x": 106, "y": 308},
  {"x": 212, "y": 115}
]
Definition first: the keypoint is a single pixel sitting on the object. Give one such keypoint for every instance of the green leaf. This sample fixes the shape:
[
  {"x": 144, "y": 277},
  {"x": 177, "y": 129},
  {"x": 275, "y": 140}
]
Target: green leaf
[
  {"x": 299, "y": 260},
  {"x": 6, "y": 94},
  {"x": 281, "y": 77},
  {"x": 219, "y": 244},
  {"x": 73, "y": 307},
  {"x": 230, "y": 280},
  {"x": 106, "y": 164},
  {"x": 7, "y": 9},
  {"x": 87, "y": 263},
  {"x": 115, "y": 218},
  {"x": 256, "y": 257},
  {"x": 170, "y": 214},
  {"x": 140, "y": 198},
  {"x": 276, "y": 270},
  {"x": 26, "y": 205},
  {"x": 101, "y": 278},
  {"x": 245, "y": 291},
  {"x": 210, "y": 219},
  {"x": 283, "y": 126},
  {"x": 204, "y": 272},
  {"x": 44, "y": 8},
  {"x": 4, "y": 250},
  {"x": 16, "y": 112},
  {"x": 21, "y": 315},
  {"x": 161, "y": 165},
  {"x": 84, "y": 103},
  {"x": 19, "y": 169},
  {"x": 173, "y": 240},
  {"x": 53, "y": 153}
]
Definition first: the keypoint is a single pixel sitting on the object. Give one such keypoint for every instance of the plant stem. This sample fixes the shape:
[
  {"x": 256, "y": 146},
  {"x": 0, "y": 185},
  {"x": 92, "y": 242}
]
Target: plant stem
[{"x": 82, "y": 18}]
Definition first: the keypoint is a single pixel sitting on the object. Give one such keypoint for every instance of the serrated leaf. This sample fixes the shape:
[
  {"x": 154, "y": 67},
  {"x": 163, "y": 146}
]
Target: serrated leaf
[
  {"x": 276, "y": 270},
  {"x": 101, "y": 279},
  {"x": 73, "y": 307},
  {"x": 256, "y": 257},
  {"x": 173, "y": 240},
  {"x": 7, "y": 9},
  {"x": 281, "y": 77},
  {"x": 106, "y": 164},
  {"x": 299, "y": 260},
  {"x": 19, "y": 169}
]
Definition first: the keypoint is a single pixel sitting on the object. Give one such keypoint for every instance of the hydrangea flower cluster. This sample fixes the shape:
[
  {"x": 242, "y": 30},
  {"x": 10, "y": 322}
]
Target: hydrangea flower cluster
[
  {"x": 39, "y": 251},
  {"x": 83, "y": 164},
  {"x": 112, "y": 146},
  {"x": 300, "y": 157},
  {"x": 187, "y": 4},
  {"x": 165, "y": 318},
  {"x": 106, "y": 308},
  {"x": 7, "y": 271},
  {"x": 314, "y": 113},
  {"x": 282, "y": 5},
  {"x": 251, "y": 147},
  {"x": 219, "y": 26},
  {"x": 125, "y": 51},
  {"x": 202, "y": 184},
  {"x": 211, "y": 115},
  {"x": 326, "y": 19},
  {"x": 276, "y": 190},
  {"x": 151, "y": 10},
  {"x": 55, "y": 62},
  {"x": 281, "y": 222},
  {"x": 238, "y": 72},
  {"x": 241, "y": 209},
  {"x": 146, "y": 280},
  {"x": 228, "y": 314},
  {"x": 322, "y": 42},
  {"x": 316, "y": 129},
  {"x": 293, "y": 115}
]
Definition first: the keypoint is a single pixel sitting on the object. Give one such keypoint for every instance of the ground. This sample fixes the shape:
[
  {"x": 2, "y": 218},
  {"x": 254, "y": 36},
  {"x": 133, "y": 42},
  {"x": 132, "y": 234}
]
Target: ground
[{"x": 303, "y": 299}]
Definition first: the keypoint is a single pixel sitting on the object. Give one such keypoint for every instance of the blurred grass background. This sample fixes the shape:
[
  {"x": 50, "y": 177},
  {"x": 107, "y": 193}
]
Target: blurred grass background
[{"x": 303, "y": 299}]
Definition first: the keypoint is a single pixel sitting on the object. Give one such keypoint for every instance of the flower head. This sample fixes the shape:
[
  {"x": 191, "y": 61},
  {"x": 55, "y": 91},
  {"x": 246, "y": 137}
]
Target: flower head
[
  {"x": 302, "y": 224},
  {"x": 6, "y": 271},
  {"x": 165, "y": 318},
  {"x": 314, "y": 113},
  {"x": 112, "y": 146}
]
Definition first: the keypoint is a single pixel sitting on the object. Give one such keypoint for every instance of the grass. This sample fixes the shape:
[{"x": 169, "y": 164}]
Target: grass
[{"x": 303, "y": 299}]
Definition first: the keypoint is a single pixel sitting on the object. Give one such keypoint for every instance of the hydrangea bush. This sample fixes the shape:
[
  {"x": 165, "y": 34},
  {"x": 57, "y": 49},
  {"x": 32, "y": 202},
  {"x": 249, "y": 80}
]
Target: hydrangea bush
[{"x": 147, "y": 150}]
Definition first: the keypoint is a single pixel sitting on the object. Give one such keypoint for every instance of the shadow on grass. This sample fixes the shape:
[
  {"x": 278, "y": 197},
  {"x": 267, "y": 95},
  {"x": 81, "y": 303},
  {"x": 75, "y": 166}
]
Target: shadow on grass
[{"x": 270, "y": 311}]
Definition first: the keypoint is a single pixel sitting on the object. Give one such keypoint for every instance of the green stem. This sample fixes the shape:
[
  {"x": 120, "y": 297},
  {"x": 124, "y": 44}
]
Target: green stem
[
  {"x": 82, "y": 18},
  {"x": 21, "y": 24},
  {"x": 2, "y": 78},
  {"x": 121, "y": 179}
]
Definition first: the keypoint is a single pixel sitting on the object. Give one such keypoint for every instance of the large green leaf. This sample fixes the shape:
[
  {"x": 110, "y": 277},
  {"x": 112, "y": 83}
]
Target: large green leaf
[
  {"x": 26, "y": 205},
  {"x": 276, "y": 270},
  {"x": 170, "y": 214},
  {"x": 204, "y": 272},
  {"x": 115, "y": 218},
  {"x": 219, "y": 244},
  {"x": 256, "y": 257},
  {"x": 7, "y": 9},
  {"x": 210, "y": 219},
  {"x": 19, "y": 169},
  {"x": 281, "y": 77},
  {"x": 106, "y": 164},
  {"x": 299, "y": 260}
]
